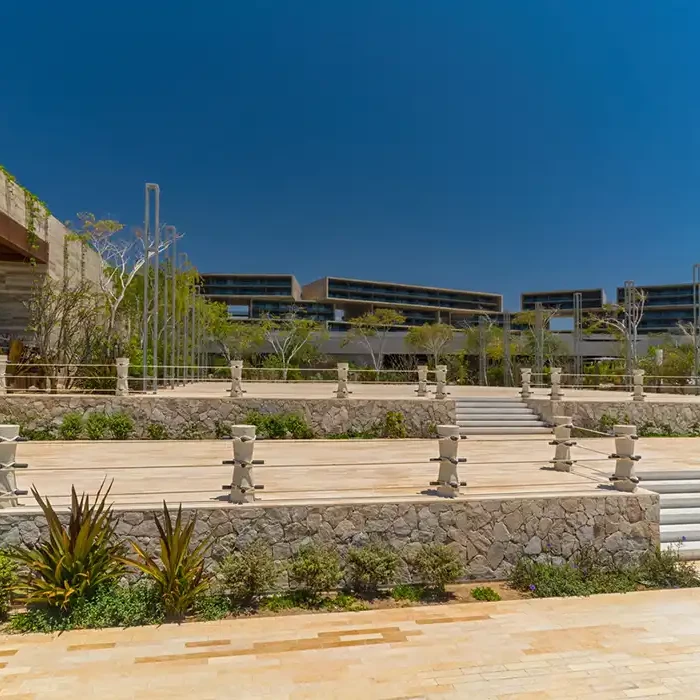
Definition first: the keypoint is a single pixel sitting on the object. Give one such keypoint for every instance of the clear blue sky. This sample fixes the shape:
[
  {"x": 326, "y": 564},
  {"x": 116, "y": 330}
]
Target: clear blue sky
[{"x": 494, "y": 145}]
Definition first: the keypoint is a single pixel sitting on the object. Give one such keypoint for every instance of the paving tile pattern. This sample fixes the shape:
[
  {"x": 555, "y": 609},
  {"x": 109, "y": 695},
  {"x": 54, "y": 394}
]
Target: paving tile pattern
[{"x": 615, "y": 647}]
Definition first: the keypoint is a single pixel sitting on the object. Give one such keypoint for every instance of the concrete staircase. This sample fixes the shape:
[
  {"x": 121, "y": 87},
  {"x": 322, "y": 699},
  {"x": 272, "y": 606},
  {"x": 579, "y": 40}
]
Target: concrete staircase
[
  {"x": 482, "y": 415},
  {"x": 680, "y": 508}
]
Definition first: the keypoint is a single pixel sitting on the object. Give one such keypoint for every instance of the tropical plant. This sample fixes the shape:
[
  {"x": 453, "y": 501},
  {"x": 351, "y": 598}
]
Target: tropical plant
[
  {"x": 247, "y": 574},
  {"x": 371, "y": 566},
  {"x": 76, "y": 559},
  {"x": 314, "y": 569},
  {"x": 179, "y": 574}
]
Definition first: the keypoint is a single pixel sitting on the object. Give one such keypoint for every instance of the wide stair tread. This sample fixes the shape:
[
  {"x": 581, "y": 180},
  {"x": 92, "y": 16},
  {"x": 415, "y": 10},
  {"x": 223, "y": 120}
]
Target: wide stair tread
[
  {"x": 504, "y": 430},
  {"x": 680, "y": 516}
]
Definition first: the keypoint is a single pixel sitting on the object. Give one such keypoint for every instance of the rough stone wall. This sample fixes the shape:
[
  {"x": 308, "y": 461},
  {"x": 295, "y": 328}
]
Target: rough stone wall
[
  {"x": 198, "y": 417},
  {"x": 680, "y": 417},
  {"x": 489, "y": 535}
]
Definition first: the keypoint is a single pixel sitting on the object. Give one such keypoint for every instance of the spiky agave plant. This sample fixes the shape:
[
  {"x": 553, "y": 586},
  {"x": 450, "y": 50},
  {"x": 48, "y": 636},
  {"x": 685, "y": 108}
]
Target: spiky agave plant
[
  {"x": 179, "y": 574},
  {"x": 76, "y": 559}
]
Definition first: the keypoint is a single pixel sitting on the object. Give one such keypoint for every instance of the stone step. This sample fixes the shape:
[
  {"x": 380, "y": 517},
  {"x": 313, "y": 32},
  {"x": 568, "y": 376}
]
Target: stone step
[
  {"x": 676, "y": 533},
  {"x": 681, "y": 474},
  {"x": 673, "y": 485},
  {"x": 503, "y": 422},
  {"x": 680, "y": 500},
  {"x": 688, "y": 551},
  {"x": 516, "y": 418},
  {"x": 505, "y": 410},
  {"x": 504, "y": 430},
  {"x": 680, "y": 516},
  {"x": 489, "y": 399}
]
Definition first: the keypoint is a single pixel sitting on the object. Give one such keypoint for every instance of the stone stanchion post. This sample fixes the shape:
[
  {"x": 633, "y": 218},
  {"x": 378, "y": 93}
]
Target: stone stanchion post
[
  {"x": 638, "y": 385},
  {"x": 3, "y": 374},
  {"x": 9, "y": 437},
  {"x": 422, "y": 389},
  {"x": 625, "y": 478},
  {"x": 563, "y": 443},
  {"x": 122, "y": 376},
  {"x": 525, "y": 379},
  {"x": 556, "y": 393},
  {"x": 448, "y": 482},
  {"x": 236, "y": 379},
  {"x": 343, "y": 392},
  {"x": 243, "y": 485},
  {"x": 440, "y": 381}
]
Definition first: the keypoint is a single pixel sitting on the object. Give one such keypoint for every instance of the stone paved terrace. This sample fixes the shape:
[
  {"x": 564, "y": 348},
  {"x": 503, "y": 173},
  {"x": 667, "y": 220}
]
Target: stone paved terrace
[
  {"x": 318, "y": 390},
  {"x": 191, "y": 472},
  {"x": 611, "y": 647}
]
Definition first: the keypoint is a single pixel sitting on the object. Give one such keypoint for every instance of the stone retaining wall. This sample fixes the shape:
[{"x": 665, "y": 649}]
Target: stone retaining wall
[
  {"x": 488, "y": 534},
  {"x": 198, "y": 417},
  {"x": 679, "y": 417}
]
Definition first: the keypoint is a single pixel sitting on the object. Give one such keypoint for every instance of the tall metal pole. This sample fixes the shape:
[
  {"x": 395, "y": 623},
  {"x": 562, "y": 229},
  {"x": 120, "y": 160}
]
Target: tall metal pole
[
  {"x": 147, "y": 251},
  {"x": 482, "y": 351},
  {"x": 156, "y": 258},
  {"x": 629, "y": 298},
  {"x": 506, "y": 349},
  {"x": 696, "y": 324},
  {"x": 185, "y": 318},
  {"x": 173, "y": 318},
  {"x": 578, "y": 333},
  {"x": 539, "y": 340},
  {"x": 194, "y": 330}
]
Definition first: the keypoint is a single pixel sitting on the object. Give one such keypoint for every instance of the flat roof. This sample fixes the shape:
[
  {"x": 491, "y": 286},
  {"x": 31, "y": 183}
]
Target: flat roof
[
  {"x": 689, "y": 285},
  {"x": 246, "y": 274},
  {"x": 407, "y": 286},
  {"x": 566, "y": 291}
]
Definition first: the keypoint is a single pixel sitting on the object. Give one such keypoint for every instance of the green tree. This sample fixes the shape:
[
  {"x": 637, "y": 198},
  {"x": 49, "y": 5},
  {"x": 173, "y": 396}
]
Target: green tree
[
  {"x": 235, "y": 339},
  {"x": 534, "y": 341},
  {"x": 372, "y": 330},
  {"x": 431, "y": 338},
  {"x": 290, "y": 336}
]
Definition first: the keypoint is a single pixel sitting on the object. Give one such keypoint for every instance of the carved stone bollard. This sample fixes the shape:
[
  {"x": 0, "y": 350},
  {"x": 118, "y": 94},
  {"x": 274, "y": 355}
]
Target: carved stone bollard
[
  {"x": 236, "y": 379},
  {"x": 343, "y": 392},
  {"x": 556, "y": 393},
  {"x": 525, "y": 380},
  {"x": 563, "y": 443},
  {"x": 638, "y": 385},
  {"x": 9, "y": 437},
  {"x": 3, "y": 374},
  {"x": 440, "y": 381},
  {"x": 122, "y": 376},
  {"x": 625, "y": 478},
  {"x": 243, "y": 486},
  {"x": 448, "y": 482},
  {"x": 422, "y": 389}
]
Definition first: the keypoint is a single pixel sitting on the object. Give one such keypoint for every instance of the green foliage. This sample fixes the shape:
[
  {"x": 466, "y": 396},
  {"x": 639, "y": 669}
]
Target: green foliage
[
  {"x": 394, "y": 425},
  {"x": 284, "y": 601},
  {"x": 179, "y": 576},
  {"x": 372, "y": 330},
  {"x": 121, "y": 426},
  {"x": 437, "y": 565},
  {"x": 431, "y": 338},
  {"x": 157, "y": 431},
  {"x": 342, "y": 602},
  {"x": 43, "y": 433},
  {"x": 314, "y": 569},
  {"x": 277, "y": 426},
  {"x": 96, "y": 426},
  {"x": 222, "y": 430},
  {"x": 8, "y": 581},
  {"x": 75, "y": 561},
  {"x": 370, "y": 567},
  {"x": 212, "y": 607},
  {"x": 249, "y": 573},
  {"x": 352, "y": 434},
  {"x": 666, "y": 569},
  {"x": 485, "y": 593},
  {"x": 71, "y": 427},
  {"x": 408, "y": 591},
  {"x": 110, "y": 606},
  {"x": 190, "y": 431}
]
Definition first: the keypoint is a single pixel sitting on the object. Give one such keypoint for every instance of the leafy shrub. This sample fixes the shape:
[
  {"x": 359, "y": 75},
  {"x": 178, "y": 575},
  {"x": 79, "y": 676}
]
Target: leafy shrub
[
  {"x": 221, "y": 430},
  {"x": 121, "y": 426},
  {"x": 8, "y": 580},
  {"x": 157, "y": 431},
  {"x": 71, "y": 427},
  {"x": 190, "y": 431},
  {"x": 274, "y": 427},
  {"x": 42, "y": 433},
  {"x": 298, "y": 428},
  {"x": 436, "y": 566},
  {"x": 247, "y": 574},
  {"x": 277, "y": 426},
  {"x": 665, "y": 569},
  {"x": 96, "y": 426},
  {"x": 75, "y": 561},
  {"x": 485, "y": 593},
  {"x": 110, "y": 606},
  {"x": 394, "y": 425},
  {"x": 179, "y": 576},
  {"x": 370, "y": 567},
  {"x": 314, "y": 569},
  {"x": 352, "y": 434},
  {"x": 407, "y": 591},
  {"x": 212, "y": 607}
]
